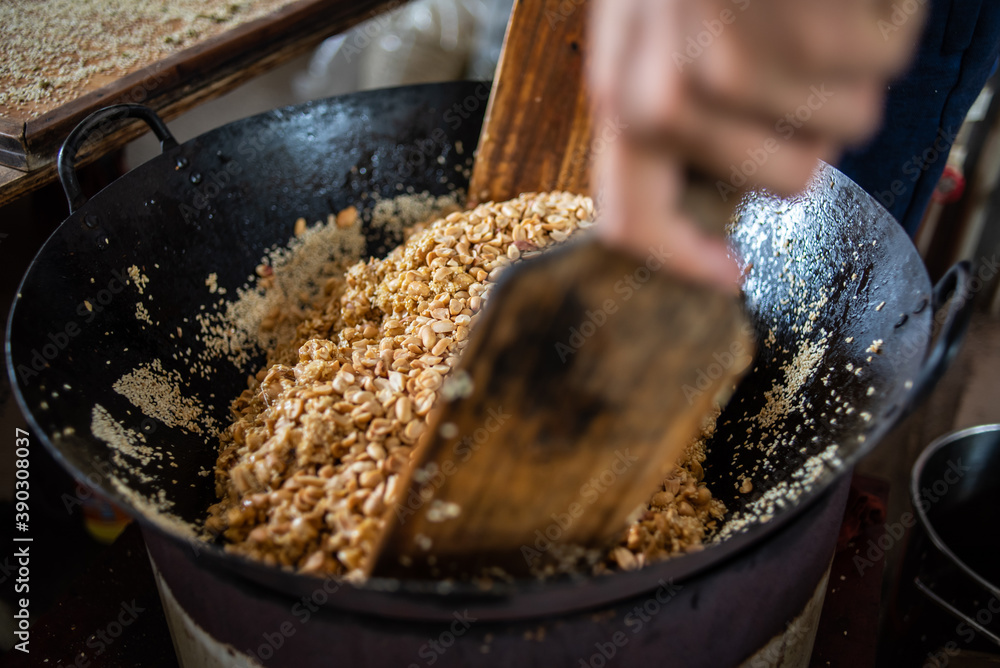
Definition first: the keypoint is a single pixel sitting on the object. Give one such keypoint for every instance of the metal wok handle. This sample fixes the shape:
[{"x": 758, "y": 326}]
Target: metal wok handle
[
  {"x": 99, "y": 123},
  {"x": 953, "y": 285}
]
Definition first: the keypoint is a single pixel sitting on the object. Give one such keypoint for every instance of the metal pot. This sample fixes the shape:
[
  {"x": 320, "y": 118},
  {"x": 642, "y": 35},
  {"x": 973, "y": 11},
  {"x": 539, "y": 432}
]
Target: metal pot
[
  {"x": 945, "y": 605},
  {"x": 955, "y": 489}
]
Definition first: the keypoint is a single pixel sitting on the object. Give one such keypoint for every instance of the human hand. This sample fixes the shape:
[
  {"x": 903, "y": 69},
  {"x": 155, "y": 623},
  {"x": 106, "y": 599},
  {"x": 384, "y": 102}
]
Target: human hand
[{"x": 752, "y": 92}]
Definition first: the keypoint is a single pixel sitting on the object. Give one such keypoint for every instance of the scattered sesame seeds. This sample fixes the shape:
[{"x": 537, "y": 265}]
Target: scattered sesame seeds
[
  {"x": 157, "y": 393},
  {"x": 139, "y": 279},
  {"x": 212, "y": 281},
  {"x": 124, "y": 443},
  {"x": 785, "y": 394},
  {"x": 780, "y": 495},
  {"x": 141, "y": 314}
]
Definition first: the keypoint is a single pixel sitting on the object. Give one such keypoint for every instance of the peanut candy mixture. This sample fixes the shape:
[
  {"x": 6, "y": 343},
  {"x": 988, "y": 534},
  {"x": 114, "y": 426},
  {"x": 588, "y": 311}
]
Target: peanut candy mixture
[
  {"x": 679, "y": 517},
  {"x": 314, "y": 456}
]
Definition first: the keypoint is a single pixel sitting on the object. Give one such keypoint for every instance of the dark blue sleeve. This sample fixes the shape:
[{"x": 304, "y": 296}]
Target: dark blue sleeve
[{"x": 925, "y": 109}]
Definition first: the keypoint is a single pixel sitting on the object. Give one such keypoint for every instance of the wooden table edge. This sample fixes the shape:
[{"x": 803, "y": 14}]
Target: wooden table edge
[{"x": 266, "y": 43}]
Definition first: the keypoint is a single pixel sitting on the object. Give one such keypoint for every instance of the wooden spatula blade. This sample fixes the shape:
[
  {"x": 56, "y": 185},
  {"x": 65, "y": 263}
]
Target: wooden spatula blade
[{"x": 576, "y": 396}]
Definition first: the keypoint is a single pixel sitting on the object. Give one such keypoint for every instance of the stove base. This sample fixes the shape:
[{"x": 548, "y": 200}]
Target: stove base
[{"x": 196, "y": 648}]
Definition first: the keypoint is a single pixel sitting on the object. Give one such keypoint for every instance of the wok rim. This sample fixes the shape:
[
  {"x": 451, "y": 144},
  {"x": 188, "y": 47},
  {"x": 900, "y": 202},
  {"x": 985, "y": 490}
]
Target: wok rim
[{"x": 495, "y": 604}]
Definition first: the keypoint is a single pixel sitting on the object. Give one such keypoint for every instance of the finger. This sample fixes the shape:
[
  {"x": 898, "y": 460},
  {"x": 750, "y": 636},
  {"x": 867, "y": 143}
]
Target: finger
[
  {"x": 737, "y": 150},
  {"x": 833, "y": 39},
  {"x": 612, "y": 25},
  {"x": 847, "y": 111},
  {"x": 640, "y": 214},
  {"x": 742, "y": 136},
  {"x": 650, "y": 85}
]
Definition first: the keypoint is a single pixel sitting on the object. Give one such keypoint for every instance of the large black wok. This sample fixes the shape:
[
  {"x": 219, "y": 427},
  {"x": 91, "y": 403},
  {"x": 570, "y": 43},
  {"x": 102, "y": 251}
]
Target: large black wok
[{"x": 218, "y": 202}]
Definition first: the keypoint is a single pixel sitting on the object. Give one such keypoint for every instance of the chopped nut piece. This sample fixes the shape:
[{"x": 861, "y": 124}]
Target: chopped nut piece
[{"x": 347, "y": 217}]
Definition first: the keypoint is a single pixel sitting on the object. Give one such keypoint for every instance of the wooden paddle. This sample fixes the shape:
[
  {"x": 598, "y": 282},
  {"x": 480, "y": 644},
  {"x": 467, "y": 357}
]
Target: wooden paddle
[{"x": 590, "y": 370}]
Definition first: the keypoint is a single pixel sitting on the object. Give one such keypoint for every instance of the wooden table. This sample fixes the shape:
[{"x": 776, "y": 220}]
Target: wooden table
[{"x": 172, "y": 85}]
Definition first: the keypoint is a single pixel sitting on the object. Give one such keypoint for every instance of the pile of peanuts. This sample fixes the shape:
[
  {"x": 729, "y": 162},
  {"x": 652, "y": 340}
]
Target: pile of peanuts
[
  {"x": 314, "y": 456},
  {"x": 679, "y": 517}
]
